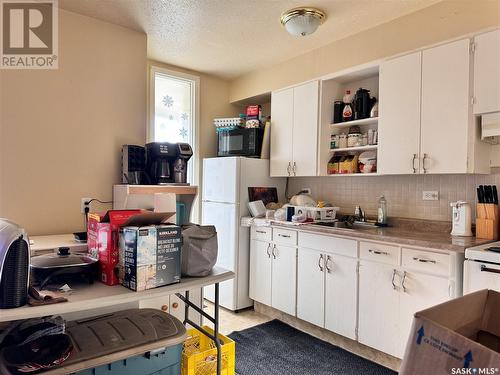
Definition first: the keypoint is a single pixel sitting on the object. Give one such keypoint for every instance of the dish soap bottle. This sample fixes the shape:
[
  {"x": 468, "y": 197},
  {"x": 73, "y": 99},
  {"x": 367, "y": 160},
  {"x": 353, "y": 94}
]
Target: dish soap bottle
[
  {"x": 382, "y": 212},
  {"x": 347, "y": 112}
]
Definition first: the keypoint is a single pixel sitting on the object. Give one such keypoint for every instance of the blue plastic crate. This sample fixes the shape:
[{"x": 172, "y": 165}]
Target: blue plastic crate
[{"x": 166, "y": 362}]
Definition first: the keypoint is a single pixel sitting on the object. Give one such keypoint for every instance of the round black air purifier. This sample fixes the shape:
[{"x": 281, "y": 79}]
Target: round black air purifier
[{"x": 14, "y": 275}]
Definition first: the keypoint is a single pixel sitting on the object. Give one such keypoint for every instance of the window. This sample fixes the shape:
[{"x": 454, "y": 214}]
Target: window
[{"x": 173, "y": 111}]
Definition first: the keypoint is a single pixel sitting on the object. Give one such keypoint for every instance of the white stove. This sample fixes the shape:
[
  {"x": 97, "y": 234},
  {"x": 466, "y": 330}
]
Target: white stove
[{"x": 482, "y": 267}]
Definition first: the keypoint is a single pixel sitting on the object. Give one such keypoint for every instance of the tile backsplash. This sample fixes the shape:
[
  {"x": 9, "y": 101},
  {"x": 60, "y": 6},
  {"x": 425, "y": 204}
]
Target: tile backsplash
[{"x": 403, "y": 193}]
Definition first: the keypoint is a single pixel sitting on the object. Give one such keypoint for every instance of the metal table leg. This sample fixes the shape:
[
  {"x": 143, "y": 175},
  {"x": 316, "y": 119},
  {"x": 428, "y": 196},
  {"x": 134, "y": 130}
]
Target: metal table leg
[{"x": 215, "y": 320}]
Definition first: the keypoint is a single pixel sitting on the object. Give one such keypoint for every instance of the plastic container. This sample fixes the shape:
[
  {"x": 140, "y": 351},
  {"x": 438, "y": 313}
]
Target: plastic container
[
  {"x": 166, "y": 362},
  {"x": 199, "y": 356},
  {"x": 128, "y": 330}
]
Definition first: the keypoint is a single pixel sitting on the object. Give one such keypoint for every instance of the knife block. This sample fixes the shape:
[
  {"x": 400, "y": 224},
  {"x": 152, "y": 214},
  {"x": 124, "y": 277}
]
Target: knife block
[{"x": 487, "y": 221}]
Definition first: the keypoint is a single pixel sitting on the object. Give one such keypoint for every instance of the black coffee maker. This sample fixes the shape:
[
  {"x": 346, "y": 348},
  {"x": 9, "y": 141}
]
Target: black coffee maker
[
  {"x": 166, "y": 163},
  {"x": 362, "y": 104}
]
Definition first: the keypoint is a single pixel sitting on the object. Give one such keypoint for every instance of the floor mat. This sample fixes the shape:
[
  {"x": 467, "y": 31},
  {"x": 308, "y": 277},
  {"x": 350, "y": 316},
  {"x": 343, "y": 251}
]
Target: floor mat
[{"x": 276, "y": 348}]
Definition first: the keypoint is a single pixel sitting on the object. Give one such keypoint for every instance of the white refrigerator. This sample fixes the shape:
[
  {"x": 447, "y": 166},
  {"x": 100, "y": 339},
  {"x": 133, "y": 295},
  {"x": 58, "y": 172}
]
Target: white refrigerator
[{"x": 224, "y": 203}]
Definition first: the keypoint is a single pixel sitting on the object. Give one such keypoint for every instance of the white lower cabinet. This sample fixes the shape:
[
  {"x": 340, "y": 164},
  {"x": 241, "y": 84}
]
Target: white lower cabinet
[
  {"x": 389, "y": 296},
  {"x": 283, "y": 278},
  {"x": 363, "y": 290},
  {"x": 311, "y": 286},
  {"x": 260, "y": 272},
  {"x": 174, "y": 305},
  {"x": 273, "y": 270},
  {"x": 341, "y": 295},
  {"x": 378, "y": 307},
  {"x": 326, "y": 290},
  {"x": 420, "y": 292}
]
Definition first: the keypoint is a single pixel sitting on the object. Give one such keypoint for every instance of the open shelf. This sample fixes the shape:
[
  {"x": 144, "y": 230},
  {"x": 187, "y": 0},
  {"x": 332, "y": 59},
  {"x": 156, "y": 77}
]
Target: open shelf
[
  {"x": 333, "y": 88},
  {"x": 364, "y": 121},
  {"x": 359, "y": 174},
  {"x": 356, "y": 148}
]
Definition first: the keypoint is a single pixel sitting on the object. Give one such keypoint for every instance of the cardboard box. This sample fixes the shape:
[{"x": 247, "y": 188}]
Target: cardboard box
[
  {"x": 150, "y": 256},
  {"x": 102, "y": 240},
  {"x": 461, "y": 336}
]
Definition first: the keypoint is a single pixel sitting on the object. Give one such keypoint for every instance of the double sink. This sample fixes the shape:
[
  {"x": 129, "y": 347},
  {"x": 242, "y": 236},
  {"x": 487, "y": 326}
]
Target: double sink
[{"x": 357, "y": 225}]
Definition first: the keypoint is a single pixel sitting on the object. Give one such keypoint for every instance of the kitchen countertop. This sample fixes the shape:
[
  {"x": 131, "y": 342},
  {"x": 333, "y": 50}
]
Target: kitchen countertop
[
  {"x": 434, "y": 240},
  {"x": 419, "y": 233}
]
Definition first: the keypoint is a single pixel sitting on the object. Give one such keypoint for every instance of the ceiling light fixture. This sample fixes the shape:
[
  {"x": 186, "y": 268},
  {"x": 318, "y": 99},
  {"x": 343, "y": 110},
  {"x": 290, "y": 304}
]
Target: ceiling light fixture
[{"x": 302, "y": 21}]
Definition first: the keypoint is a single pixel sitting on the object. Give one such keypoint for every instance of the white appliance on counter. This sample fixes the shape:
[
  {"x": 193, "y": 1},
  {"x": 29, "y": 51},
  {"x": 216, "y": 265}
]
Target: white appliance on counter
[
  {"x": 461, "y": 219},
  {"x": 482, "y": 267},
  {"x": 224, "y": 203}
]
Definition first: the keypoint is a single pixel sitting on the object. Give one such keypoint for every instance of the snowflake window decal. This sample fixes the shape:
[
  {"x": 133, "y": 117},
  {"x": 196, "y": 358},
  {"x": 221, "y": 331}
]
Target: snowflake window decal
[
  {"x": 184, "y": 116},
  {"x": 168, "y": 101},
  {"x": 183, "y": 133}
]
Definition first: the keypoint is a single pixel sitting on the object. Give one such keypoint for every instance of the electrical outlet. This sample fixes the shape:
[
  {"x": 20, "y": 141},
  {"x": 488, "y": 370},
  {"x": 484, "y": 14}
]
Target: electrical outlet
[
  {"x": 430, "y": 195},
  {"x": 83, "y": 204},
  {"x": 307, "y": 190}
]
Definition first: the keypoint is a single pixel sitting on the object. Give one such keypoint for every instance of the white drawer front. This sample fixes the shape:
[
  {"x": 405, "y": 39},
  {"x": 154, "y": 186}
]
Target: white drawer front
[
  {"x": 285, "y": 236},
  {"x": 426, "y": 261},
  {"x": 329, "y": 244},
  {"x": 379, "y": 252},
  {"x": 479, "y": 276},
  {"x": 261, "y": 233}
]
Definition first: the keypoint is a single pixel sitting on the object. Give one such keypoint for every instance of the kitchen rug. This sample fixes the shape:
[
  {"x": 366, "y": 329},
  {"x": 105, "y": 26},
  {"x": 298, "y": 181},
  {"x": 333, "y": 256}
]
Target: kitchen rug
[{"x": 275, "y": 348}]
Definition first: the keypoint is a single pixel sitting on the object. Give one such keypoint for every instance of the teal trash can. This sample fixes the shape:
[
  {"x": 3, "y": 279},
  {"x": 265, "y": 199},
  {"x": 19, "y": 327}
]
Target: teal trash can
[
  {"x": 165, "y": 362},
  {"x": 102, "y": 336}
]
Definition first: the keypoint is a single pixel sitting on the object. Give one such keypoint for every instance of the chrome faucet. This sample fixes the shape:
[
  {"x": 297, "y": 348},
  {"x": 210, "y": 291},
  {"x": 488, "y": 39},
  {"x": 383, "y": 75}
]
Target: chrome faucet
[{"x": 360, "y": 214}]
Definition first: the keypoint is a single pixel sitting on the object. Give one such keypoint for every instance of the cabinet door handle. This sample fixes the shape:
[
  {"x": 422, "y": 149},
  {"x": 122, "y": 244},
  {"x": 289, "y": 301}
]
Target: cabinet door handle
[
  {"x": 392, "y": 281},
  {"x": 268, "y": 251},
  {"x": 449, "y": 290},
  {"x": 378, "y": 252},
  {"x": 423, "y": 162},
  {"x": 328, "y": 261},
  {"x": 284, "y": 235},
  {"x": 294, "y": 169},
  {"x": 288, "y": 169},
  {"x": 275, "y": 252},
  {"x": 413, "y": 163},
  {"x": 486, "y": 269},
  {"x": 422, "y": 260},
  {"x": 320, "y": 262},
  {"x": 403, "y": 281},
  {"x": 260, "y": 231}
]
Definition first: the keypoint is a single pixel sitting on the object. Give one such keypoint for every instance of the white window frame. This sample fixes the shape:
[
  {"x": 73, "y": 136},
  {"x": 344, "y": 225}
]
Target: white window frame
[{"x": 194, "y": 162}]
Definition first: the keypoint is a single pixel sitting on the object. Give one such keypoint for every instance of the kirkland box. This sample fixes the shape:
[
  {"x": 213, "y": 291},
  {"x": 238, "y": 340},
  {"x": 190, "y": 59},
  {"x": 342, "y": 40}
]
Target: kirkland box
[
  {"x": 461, "y": 336},
  {"x": 150, "y": 256},
  {"x": 102, "y": 240}
]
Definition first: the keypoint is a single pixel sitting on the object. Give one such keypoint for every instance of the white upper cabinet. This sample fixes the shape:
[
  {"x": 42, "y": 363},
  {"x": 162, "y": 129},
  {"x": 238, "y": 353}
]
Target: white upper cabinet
[
  {"x": 305, "y": 129},
  {"x": 426, "y": 123},
  {"x": 487, "y": 72},
  {"x": 399, "y": 111},
  {"x": 294, "y": 130},
  {"x": 281, "y": 132},
  {"x": 445, "y": 113}
]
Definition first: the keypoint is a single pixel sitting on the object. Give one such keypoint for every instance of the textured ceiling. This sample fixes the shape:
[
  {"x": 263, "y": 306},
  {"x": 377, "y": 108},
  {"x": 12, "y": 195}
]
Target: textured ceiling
[{"x": 228, "y": 38}]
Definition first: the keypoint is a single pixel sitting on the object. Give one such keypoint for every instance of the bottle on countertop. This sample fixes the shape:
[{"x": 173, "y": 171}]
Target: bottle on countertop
[
  {"x": 347, "y": 114},
  {"x": 382, "y": 211}
]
